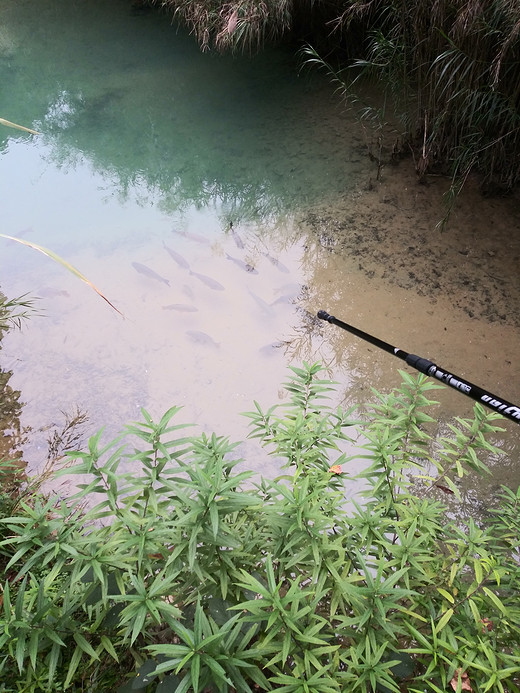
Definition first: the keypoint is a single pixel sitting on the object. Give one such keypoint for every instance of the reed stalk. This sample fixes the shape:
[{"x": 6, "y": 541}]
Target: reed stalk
[
  {"x": 449, "y": 68},
  {"x": 452, "y": 70}
]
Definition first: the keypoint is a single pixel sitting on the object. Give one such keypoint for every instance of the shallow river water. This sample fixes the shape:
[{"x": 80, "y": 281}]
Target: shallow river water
[{"x": 219, "y": 203}]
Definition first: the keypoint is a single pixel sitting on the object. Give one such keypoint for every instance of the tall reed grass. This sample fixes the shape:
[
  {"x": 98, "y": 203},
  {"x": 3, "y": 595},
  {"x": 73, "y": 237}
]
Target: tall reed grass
[
  {"x": 232, "y": 26},
  {"x": 452, "y": 68}
]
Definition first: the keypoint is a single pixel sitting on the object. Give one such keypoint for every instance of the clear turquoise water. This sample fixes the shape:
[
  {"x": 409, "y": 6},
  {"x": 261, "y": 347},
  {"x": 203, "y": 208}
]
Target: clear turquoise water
[
  {"x": 146, "y": 141},
  {"x": 134, "y": 116}
]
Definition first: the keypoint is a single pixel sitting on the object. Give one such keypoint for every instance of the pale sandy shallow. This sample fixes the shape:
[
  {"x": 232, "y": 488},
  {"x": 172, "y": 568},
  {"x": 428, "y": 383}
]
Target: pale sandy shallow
[{"x": 374, "y": 258}]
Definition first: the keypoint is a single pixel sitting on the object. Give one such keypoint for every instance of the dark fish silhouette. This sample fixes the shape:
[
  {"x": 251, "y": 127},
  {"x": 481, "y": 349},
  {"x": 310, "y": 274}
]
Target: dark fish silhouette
[
  {"x": 150, "y": 273},
  {"x": 50, "y": 292},
  {"x": 292, "y": 287},
  {"x": 24, "y": 232},
  {"x": 243, "y": 265},
  {"x": 192, "y": 236},
  {"x": 175, "y": 256},
  {"x": 286, "y": 298},
  {"x": 238, "y": 241},
  {"x": 212, "y": 283},
  {"x": 202, "y": 338},
  {"x": 263, "y": 305},
  {"x": 270, "y": 349},
  {"x": 181, "y": 307},
  {"x": 277, "y": 263}
]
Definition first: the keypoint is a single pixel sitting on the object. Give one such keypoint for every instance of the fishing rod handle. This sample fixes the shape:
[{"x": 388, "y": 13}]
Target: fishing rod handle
[{"x": 498, "y": 404}]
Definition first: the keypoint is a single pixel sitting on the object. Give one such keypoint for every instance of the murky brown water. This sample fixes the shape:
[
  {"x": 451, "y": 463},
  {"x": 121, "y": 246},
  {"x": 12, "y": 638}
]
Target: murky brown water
[
  {"x": 311, "y": 218},
  {"x": 451, "y": 296}
]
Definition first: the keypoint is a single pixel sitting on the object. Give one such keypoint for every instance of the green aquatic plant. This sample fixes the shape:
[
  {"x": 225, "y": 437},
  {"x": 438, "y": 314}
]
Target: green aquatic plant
[
  {"x": 171, "y": 570},
  {"x": 13, "y": 311}
]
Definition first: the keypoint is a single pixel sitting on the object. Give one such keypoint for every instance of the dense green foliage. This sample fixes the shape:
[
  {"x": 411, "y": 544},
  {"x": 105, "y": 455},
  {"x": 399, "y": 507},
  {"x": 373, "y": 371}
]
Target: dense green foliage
[{"x": 173, "y": 571}]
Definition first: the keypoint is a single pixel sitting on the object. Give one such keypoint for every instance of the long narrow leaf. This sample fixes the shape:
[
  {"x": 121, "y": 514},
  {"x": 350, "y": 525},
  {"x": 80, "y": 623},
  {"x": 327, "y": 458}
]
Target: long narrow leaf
[
  {"x": 8, "y": 123},
  {"x": 64, "y": 263}
]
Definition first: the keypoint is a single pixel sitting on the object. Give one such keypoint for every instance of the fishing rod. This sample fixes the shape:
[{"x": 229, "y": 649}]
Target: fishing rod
[{"x": 498, "y": 404}]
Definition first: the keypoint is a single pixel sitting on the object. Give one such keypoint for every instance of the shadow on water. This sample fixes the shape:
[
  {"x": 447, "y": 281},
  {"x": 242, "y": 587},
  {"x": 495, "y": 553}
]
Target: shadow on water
[{"x": 164, "y": 122}]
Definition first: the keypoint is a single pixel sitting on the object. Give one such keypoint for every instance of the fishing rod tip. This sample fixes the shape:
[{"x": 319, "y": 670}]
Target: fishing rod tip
[{"x": 323, "y": 315}]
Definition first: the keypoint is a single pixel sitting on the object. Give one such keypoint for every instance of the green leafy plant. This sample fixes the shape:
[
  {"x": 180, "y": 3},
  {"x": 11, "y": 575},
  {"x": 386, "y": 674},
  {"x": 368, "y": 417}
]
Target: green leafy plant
[
  {"x": 169, "y": 570},
  {"x": 13, "y": 311}
]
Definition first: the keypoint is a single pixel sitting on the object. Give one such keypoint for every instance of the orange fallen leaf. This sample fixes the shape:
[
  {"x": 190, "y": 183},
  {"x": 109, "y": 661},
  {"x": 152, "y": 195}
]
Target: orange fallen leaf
[
  {"x": 465, "y": 684},
  {"x": 445, "y": 489},
  {"x": 487, "y": 624},
  {"x": 335, "y": 469}
]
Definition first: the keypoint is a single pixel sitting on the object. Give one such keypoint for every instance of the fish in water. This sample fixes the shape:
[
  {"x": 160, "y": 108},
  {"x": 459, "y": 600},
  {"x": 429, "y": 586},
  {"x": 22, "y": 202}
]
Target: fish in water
[
  {"x": 263, "y": 305},
  {"x": 270, "y": 349},
  {"x": 286, "y": 298},
  {"x": 24, "y": 232},
  {"x": 202, "y": 338},
  {"x": 50, "y": 292},
  {"x": 212, "y": 283},
  {"x": 295, "y": 289},
  {"x": 243, "y": 265},
  {"x": 181, "y": 307},
  {"x": 175, "y": 256},
  {"x": 238, "y": 241},
  {"x": 152, "y": 274},
  {"x": 277, "y": 263},
  {"x": 192, "y": 236}
]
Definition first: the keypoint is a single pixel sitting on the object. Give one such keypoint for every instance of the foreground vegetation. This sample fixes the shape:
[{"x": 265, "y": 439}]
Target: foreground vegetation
[
  {"x": 449, "y": 70},
  {"x": 170, "y": 570}
]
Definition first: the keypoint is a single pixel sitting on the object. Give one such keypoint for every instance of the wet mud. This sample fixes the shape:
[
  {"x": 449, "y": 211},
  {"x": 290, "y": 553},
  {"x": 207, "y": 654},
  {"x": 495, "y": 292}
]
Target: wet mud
[
  {"x": 383, "y": 263},
  {"x": 391, "y": 232}
]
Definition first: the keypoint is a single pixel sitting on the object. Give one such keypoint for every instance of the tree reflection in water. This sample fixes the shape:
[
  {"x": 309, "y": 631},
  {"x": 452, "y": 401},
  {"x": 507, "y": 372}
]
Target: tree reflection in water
[{"x": 13, "y": 436}]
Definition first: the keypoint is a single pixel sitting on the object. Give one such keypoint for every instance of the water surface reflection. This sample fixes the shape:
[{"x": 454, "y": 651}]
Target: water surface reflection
[{"x": 219, "y": 203}]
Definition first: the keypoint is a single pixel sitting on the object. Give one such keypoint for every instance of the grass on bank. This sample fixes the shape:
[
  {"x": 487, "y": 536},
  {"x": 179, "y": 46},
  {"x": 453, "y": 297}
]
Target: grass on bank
[{"x": 169, "y": 570}]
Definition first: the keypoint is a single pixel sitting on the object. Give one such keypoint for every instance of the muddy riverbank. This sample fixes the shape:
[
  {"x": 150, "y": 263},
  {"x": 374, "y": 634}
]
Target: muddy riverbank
[
  {"x": 383, "y": 263},
  {"x": 390, "y": 231}
]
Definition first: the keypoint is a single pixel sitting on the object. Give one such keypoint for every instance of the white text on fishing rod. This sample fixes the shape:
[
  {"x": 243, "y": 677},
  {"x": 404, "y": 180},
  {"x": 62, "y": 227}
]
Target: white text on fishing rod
[
  {"x": 501, "y": 407},
  {"x": 449, "y": 379}
]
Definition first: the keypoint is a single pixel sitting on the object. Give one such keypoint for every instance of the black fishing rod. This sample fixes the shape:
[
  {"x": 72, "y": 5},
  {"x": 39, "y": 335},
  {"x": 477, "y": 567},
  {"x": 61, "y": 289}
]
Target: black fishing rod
[{"x": 498, "y": 404}]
